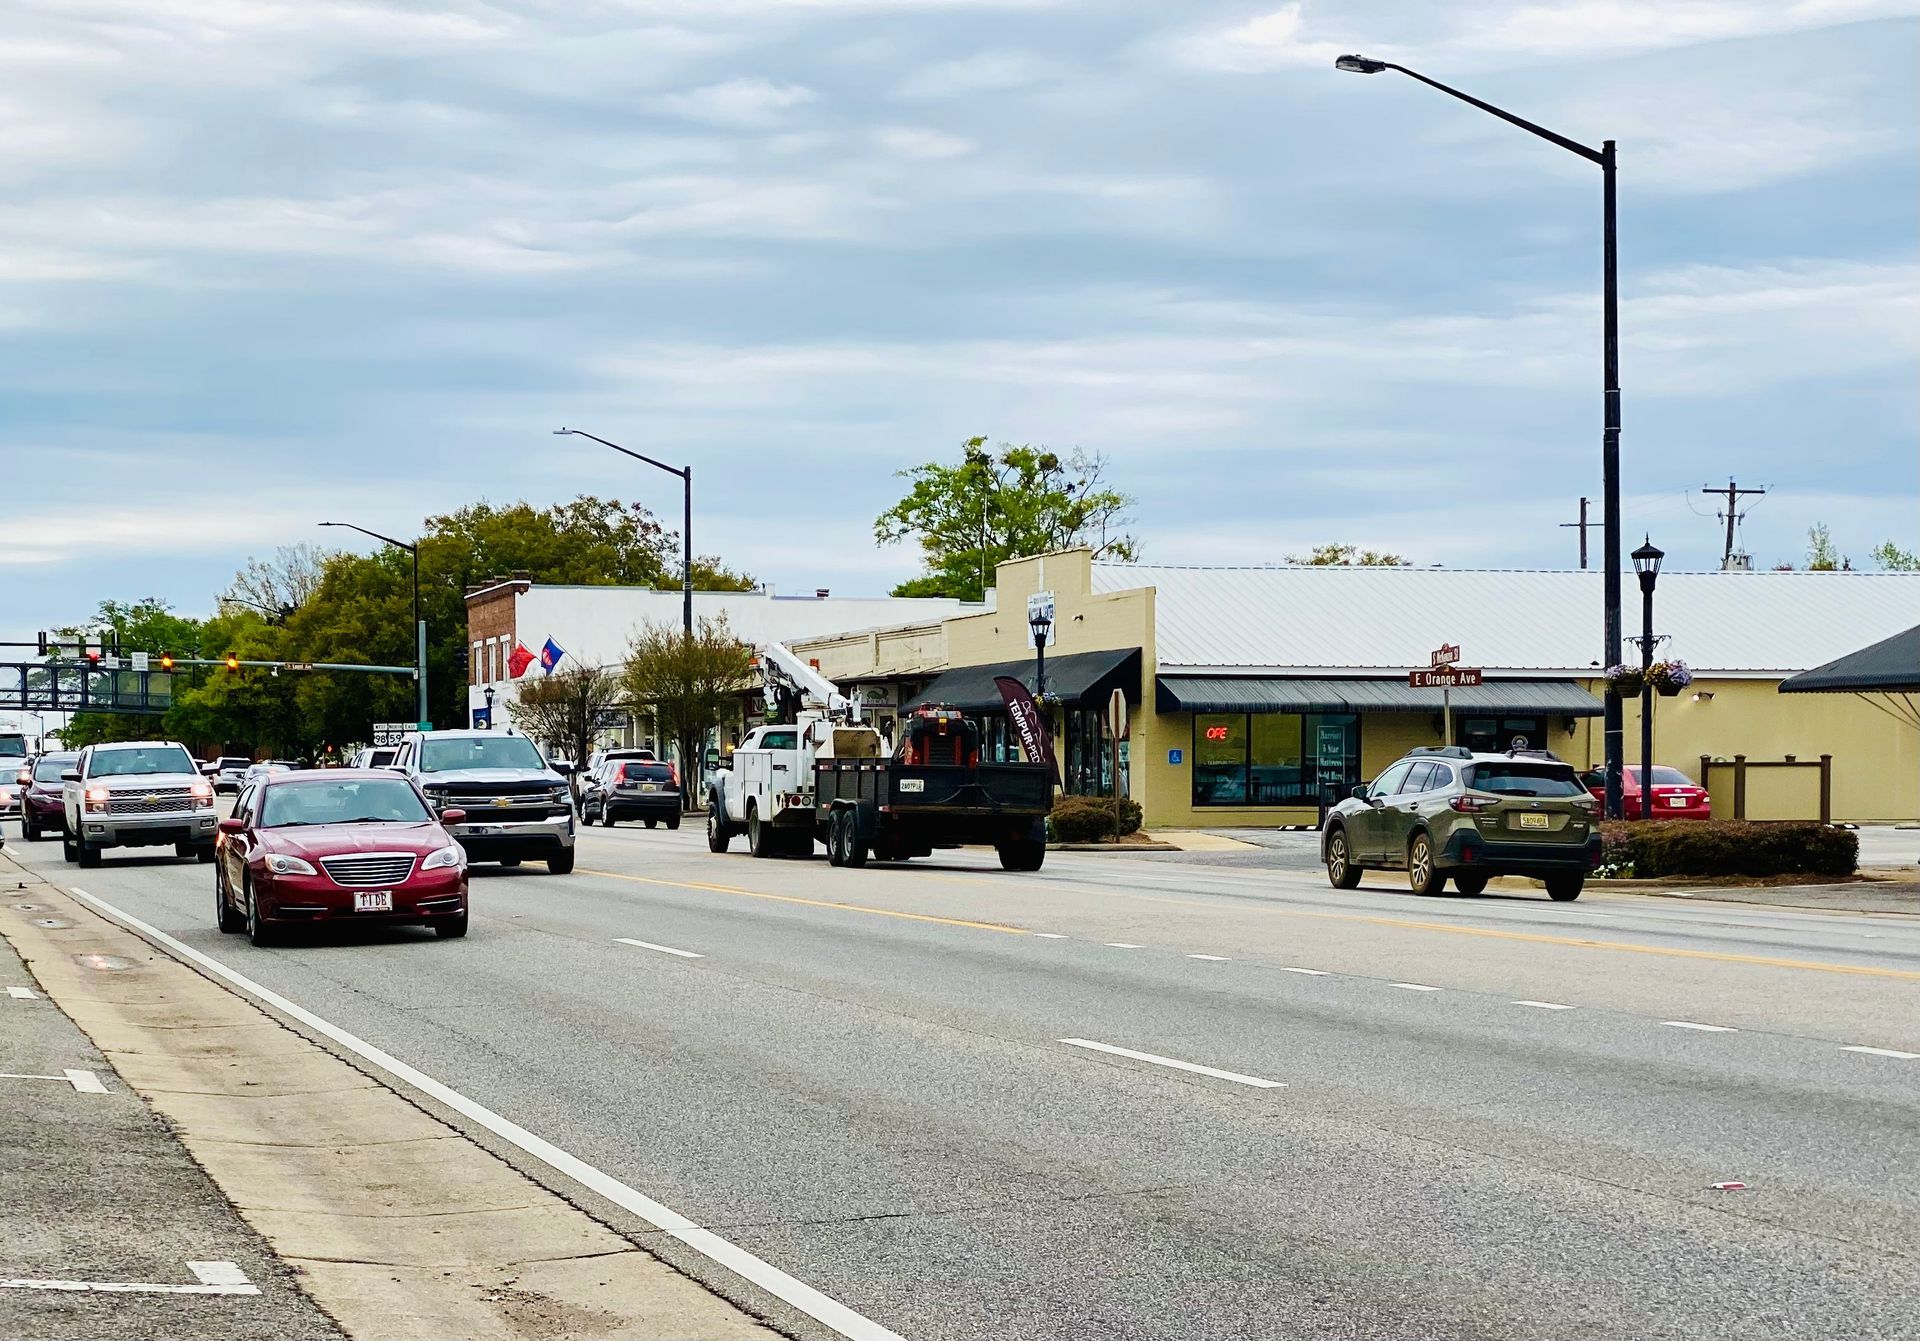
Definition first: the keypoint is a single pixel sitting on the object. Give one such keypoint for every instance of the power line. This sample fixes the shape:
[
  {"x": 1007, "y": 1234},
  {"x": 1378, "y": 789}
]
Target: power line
[
  {"x": 1582, "y": 524},
  {"x": 1732, "y": 493}
]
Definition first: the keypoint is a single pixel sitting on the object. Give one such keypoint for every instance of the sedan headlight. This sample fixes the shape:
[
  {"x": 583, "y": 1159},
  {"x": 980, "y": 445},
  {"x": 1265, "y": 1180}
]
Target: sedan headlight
[
  {"x": 283, "y": 865},
  {"x": 450, "y": 855}
]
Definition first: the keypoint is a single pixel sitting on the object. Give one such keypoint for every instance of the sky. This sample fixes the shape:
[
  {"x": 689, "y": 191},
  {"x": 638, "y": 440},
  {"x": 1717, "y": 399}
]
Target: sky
[{"x": 265, "y": 263}]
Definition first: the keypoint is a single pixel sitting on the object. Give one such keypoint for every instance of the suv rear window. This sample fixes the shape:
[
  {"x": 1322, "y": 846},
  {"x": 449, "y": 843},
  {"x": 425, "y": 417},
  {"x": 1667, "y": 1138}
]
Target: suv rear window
[
  {"x": 1525, "y": 779},
  {"x": 233, "y": 761},
  {"x": 635, "y": 770}
]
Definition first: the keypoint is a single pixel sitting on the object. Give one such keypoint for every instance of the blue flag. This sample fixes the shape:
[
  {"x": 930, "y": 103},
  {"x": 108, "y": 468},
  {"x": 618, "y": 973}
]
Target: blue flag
[{"x": 550, "y": 656}]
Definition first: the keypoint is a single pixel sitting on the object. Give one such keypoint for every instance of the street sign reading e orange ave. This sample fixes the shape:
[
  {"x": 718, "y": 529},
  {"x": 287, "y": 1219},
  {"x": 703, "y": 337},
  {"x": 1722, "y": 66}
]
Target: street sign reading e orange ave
[{"x": 1452, "y": 677}]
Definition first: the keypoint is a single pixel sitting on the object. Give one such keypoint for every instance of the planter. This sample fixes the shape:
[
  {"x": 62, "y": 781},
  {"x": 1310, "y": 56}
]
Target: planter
[
  {"x": 1626, "y": 681},
  {"x": 1668, "y": 678},
  {"x": 1667, "y": 688}
]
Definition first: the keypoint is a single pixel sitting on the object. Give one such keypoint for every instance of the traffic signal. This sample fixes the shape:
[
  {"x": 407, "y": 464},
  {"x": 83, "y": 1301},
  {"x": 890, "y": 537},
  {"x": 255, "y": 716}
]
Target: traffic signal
[
  {"x": 462, "y": 659},
  {"x": 233, "y": 662},
  {"x": 166, "y": 661},
  {"x": 93, "y": 657}
]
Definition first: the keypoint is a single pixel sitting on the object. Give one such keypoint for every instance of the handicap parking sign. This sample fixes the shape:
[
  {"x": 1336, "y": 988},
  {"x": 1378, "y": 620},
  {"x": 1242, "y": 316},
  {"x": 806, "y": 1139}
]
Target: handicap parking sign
[{"x": 1175, "y": 756}]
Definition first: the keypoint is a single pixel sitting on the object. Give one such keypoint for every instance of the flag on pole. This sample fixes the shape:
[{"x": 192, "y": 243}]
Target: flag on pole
[
  {"x": 518, "y": 660},
  {"x": 550, "y": 656},
  {"x": 1029, "y": 723}
]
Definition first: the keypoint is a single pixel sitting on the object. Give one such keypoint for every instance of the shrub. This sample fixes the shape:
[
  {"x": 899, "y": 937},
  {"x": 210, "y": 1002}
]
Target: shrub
[
  {"x": 1089, "y": 819},
  {"x": 1651, "y": 849}
]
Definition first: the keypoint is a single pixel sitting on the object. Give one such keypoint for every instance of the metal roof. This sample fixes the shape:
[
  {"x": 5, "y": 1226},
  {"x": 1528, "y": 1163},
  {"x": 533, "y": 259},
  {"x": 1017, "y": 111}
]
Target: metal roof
[
  {"x": 1335, "y": 619},
  {"x": 1275, "y": 693},
  {"x": 1890, "y": 666}
]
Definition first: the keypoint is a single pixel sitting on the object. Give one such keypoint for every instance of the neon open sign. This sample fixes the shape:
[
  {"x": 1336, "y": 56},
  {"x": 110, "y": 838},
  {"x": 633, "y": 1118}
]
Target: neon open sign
[{"x": 1217, "y": 733}]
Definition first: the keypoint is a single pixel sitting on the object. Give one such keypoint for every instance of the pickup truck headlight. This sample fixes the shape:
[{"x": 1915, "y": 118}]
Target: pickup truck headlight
[
  {"x": 450, "y": 855},
  {"x": 97, "y": 798},
  {"x": 282, "y": 865},
  {"x": 559, "y": 795},
  {"x": 203, "y": 792},
  {"x": 437, "y": 797}
]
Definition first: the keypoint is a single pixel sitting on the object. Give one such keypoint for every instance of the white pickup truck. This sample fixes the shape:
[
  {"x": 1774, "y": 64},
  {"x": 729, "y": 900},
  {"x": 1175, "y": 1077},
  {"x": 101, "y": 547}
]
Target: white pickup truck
[{"x": 767, "y": 794}]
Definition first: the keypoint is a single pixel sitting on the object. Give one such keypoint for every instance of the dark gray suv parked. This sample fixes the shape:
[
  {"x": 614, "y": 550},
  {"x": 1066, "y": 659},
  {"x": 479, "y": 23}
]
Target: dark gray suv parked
[{"x": 1446, "y": 812}]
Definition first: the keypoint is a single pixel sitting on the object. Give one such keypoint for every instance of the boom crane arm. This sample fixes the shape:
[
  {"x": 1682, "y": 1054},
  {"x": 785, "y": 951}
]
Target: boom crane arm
[{"x": 778, "y": 662}]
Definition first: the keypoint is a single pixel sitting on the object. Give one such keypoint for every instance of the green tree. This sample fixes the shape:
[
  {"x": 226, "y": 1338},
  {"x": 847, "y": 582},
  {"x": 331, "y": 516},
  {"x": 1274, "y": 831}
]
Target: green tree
[
  {"x": 1891, "y": 557},
  {"x": 565, "y": 710},
  {"x": 588, "y": 541},
  {"x": 993, "y": 506},
  {"x": 1822, "y": 555},
  {"x": 1346, "y": 556},
  {"x": 686, "y": 683}
]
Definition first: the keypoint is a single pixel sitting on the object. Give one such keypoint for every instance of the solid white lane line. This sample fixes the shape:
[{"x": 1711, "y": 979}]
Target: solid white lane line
[
  {"x": 1413, "y": 987},
  {"x": 829, "y": 1312},
  {"x": 1124, "y": 945},
  {"x": 663, "y": 949},
  {"x": 1886, "y": 1052},
  {"x": 1177, "y": 1065},
  {"x": 22, "y": 993},
  {"x": 1543, "y": 1005},
  {"x": 1311, "y": 973},
  {"x": 1217, "y": 959},
  {"x": 215, "y": 1278},
  {"x": 1703, "y": 1028}
]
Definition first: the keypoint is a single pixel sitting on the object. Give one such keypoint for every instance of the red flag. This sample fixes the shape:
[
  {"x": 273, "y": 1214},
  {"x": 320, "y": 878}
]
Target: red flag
[
  {"x": 518, "y": 660},
  {"x": 1029, "y": 723}
]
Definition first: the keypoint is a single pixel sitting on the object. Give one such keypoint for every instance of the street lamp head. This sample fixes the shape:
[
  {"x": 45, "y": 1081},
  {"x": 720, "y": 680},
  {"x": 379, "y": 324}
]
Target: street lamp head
[
  {"x": 561, "y": 432},
  {"x": 1359, "y": 65},
  {"x": 1646, "y": 562}
]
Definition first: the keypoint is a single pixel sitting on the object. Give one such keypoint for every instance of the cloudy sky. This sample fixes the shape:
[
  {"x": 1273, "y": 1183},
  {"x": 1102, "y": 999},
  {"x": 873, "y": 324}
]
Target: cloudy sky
[{"x": 265, "y": 262}]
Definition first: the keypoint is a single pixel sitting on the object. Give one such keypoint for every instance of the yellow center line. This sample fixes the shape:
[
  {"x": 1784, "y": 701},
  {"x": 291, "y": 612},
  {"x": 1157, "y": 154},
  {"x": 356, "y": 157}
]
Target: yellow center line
[{"x": 811, "y": 903}]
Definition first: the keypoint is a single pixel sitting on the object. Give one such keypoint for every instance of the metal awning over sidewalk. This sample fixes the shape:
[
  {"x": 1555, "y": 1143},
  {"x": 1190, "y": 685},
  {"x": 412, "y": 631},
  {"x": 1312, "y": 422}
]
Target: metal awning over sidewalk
[
  {"x": 1279, "y": 693},
  {"x": 1078, "y": 679},
  {"x": 1885, "y": 674}
]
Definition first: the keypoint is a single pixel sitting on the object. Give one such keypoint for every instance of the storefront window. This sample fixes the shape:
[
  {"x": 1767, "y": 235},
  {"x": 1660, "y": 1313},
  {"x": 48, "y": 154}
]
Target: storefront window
[
  {"x": 1333, "y": 746},
  {"x": 1089, "y": 766},
  {"x": 1496, "y": 735},
  {"x": 1275, "y": 778},
  {"x": 1219, "y": 759}
]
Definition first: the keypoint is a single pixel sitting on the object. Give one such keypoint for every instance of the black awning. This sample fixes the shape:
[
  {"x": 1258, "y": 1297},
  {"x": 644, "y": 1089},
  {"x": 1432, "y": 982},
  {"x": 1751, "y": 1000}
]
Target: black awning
[
  {"x": 1890, "y": 666},
  {"x": 1079, "y": 679},
  {"x": 1280, "y": 693}
]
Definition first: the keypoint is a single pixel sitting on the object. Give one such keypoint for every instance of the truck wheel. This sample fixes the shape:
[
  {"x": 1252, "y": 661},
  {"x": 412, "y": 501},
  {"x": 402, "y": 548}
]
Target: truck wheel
[
  {"x": 183, "y": 849},
  {"x": 652, "y": 823},
  {"x": 1022, "y": 854},
  {"x": 760, "y": 839},
  {"x": 836, "y": 838},
  {"x": 561, "y": 862},
  {"x": 718, "y": 835},
  {"x": 69, "y": 851},
  {"x": 89, "y": 855}
]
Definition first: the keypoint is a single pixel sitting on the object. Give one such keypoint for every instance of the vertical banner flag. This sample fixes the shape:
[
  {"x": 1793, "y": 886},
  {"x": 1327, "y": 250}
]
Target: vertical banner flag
[
  {"x": 550, "y": 656},
  {"x": 518, "y": 660},
  {"x": 1029, "y": 723}
]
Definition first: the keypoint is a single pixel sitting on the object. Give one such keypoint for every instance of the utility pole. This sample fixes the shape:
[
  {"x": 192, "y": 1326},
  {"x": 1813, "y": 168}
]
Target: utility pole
[
  {"x": 1732, "y": 514},
  {"x": 1582, "y": 524}
]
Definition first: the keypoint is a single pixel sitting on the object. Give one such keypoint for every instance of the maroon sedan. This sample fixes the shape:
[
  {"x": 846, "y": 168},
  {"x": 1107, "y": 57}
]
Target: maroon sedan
[
  {"x": 42, "y": 810},
  {"x": 337, "y": 846},
  {"x": 1675, "y": 795}
]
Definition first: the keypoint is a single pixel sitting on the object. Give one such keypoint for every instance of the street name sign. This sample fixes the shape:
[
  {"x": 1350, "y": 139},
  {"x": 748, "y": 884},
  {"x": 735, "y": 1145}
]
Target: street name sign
[
  {"x": 1450, "y": 677},
  {"x": 1445, "y": 655}
]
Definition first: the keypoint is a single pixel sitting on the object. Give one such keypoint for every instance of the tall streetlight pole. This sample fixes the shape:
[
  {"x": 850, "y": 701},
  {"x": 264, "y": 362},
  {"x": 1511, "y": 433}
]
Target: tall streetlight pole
[
  {"x": 1646, "y": 565},
  {"x": 1610, "y": 391},
  {"x": 686, "y": 477},
  {"x": 419, "y": 624}
]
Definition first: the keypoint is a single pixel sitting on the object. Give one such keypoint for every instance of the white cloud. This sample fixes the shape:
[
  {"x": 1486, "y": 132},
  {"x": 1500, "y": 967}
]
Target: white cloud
[
  {"x": 983, "y": 72},
  {"x": 1267, "y": 42},
  {"x": 920, "y": 142},
  {"x": 741, "y": 103}
]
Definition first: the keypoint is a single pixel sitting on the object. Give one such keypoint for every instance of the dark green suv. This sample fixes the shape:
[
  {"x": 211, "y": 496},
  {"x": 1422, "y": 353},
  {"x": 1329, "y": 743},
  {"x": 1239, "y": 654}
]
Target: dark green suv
[{"x": 1445, "y": 811}]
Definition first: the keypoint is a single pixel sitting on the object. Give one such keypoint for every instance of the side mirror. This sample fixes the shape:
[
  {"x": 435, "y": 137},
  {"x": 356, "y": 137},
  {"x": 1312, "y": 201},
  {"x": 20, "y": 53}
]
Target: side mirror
[
  {"x": 1360, "y": 792},
  {"x": 452, "y": 815},
  {"x": 70, "y": 775},
  {"x": 233, "y": 824},
  {"x": 563, "y": 768}
]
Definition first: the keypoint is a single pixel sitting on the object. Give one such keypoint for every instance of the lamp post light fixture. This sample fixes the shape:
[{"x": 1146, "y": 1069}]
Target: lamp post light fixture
[
  {"x": 1646, "y": 563},
  {"x": 1041, "y": 623},
  {"x": 1610, "y": 392},
  {"x": 419, "y": 624},
  {"x": 488, "y": 694},
  {"x": 686, "y": 531}
]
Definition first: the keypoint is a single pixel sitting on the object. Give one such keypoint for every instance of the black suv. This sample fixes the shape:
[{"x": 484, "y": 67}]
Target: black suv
[{"x": 1445, "y": 811}]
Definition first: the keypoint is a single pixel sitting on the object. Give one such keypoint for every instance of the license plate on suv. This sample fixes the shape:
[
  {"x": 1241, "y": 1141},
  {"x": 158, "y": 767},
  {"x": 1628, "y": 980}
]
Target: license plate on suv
[
  {"x": 1532, "y": 821},
  {"x": 373, "y": 901}
]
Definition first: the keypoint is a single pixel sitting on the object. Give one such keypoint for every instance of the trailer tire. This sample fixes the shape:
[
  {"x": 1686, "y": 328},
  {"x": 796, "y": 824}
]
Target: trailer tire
[
  {"x": 1022, "y": 854},
  {"x": 855, "y": 848},
  {"x": 836, "y": 836},
  {"x": 760, "y": 839}
]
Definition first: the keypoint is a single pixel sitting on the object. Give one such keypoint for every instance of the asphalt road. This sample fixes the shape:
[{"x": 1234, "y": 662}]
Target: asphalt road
[{"x": 1443, "y": 1118}]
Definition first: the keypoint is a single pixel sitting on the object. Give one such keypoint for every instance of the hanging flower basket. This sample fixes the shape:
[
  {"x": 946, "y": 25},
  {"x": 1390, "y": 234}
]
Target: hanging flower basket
[
  {"x": 1669, "y": 677},
  {"x": 1625, "y": 681}
]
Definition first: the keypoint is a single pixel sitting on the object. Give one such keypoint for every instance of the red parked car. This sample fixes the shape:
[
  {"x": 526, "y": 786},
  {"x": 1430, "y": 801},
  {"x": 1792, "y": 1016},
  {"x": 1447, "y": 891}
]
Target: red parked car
[
  {"x": 43, "y": 811},
  {"x": 1675, "y": 795},
  {"x": 337, "y": 845}
]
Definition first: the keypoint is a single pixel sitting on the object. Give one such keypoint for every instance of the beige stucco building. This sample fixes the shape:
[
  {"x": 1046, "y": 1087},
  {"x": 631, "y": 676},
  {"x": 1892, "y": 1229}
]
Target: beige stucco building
[{"x": 1259, "y": 693}]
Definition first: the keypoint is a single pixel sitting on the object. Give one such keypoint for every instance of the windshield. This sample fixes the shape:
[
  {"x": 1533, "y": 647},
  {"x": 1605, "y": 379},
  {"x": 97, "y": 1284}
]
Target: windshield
[
  {"x": 12, "y": 745},
  {"x": 146, "y": 759},
  {"x": 233, "y": 761},
  {"x": 1523, "y": 779},
  {"x": 369, "y": 801},
  {"x": 440, "y": 756},
  {"x": 52, "y": 766}
]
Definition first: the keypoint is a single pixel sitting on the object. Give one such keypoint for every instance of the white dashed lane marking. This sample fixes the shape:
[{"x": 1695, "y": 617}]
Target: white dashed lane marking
[
  {"x": 663, "y": 949},
  {"x": 1217, "y": 959},
  {"x": 1124, "y": 945},
  {"x": 1311, "y": 973},
  {"x": 1413, "y": 987},
  {"x": 1543, "y": 1005},
  {"x": 1235, "y": 1076},
  {"x": 1703, "y": 1028},
  {"x": 1886, "y": 1052}
]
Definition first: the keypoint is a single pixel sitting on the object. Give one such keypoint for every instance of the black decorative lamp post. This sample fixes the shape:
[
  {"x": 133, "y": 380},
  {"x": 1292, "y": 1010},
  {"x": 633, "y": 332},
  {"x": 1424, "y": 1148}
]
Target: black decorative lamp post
[{"x": 1646, "y": 562}]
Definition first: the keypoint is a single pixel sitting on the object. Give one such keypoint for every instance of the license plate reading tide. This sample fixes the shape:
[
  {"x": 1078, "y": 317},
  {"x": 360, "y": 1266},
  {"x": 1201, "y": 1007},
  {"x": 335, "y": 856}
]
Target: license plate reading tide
[
  {"x": 1531, "y": 821},
  {"x": 375, "y": 901}
]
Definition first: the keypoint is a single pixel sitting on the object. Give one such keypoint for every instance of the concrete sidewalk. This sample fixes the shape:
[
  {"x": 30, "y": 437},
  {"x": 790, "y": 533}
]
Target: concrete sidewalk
[{"x": 95, "y": 1190}]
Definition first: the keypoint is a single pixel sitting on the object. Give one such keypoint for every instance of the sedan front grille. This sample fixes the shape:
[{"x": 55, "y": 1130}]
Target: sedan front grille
[
  {"x": 162, "y": 802},
  {"x": 369, "y": 868}
]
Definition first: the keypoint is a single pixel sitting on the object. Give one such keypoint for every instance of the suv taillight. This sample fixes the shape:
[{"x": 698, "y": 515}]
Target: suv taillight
[
  {"x": 1470, "y": 805},
  {"x": 619, "y": 774}
]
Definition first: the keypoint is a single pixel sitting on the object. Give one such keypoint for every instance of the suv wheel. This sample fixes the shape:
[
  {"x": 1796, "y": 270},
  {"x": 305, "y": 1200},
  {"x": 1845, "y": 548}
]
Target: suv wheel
[
  {"x": 1422, "y": 876},
  {"x": 1471, "y": 884},
  {"x": 1341, "y": 872},
  {"x": 1565, "y": 888}
]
